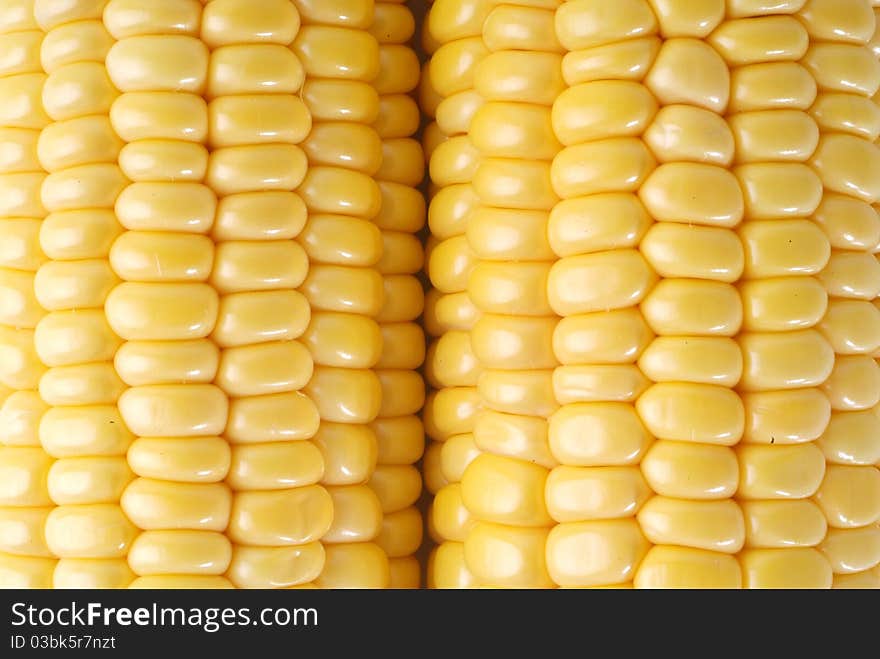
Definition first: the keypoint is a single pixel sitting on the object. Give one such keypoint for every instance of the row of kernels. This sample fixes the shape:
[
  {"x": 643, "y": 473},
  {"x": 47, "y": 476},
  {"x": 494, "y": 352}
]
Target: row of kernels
[
  {"x": 399, "y": 485},
  {"x": 26, "y": 560},
  {"x": 597, "y": 228},
  {"x": 849, "y": 495},
  {"x": 341, "y": 59},
  {"x": 165, "y": 308},
  {"x": 504, "y": 488},
  {"x": 451, "y": 368},
  {"x": 254, "y": 115}
]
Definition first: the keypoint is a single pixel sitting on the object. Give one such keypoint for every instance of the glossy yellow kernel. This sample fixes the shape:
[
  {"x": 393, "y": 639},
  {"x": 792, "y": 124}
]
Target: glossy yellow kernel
[
  {"x": 254, "y": 119},
  {"x": 20, "y": 246},
  {"x": 166, "y": 62},
  {"x": 164, "y": 160},
  {"x": 688, "y": 133},
  {"x": 139, "y": 311},
  {"x": 335, "y": 190},
  {"x": 20, "y": 368},
  {"x": 595, "y": 223},
  {"x": 708, "y": 360},
  {"x": 82, "y": 41},
  {"x": 783, "y": 303},
  {"x": 24, "y": 471},
  {"x": 80, "y": 141},
  {"x": 126, "y": 18},
  {"x": 294, "y": 516},
  {"x": 275, "y": 567},
  {"x": 848, "y": 164},
  {"x": 683, "y": 567},
  {"x": 743, "y": 8},
  {"x": 181, "y": 582},
  {"x": 329, "y": 337},
  {"x": 252, "y": 266},
  {"x": 868, "y": 580},
  {"x": 261, "y": 316},
  {"x": 235, "y": 21},
  {"x": 513, "y": 342},
  {"x": 851, "y": 326},
  {"x": 452, "y": 67},
  {"x": 602, "y": 109},
  {"x": 585, "y": 23},
  {"x": 518, "y": 392},
  {"x": 780, "y": 524},
  {"x": 627, "y": 60},
  {"x": 520, "y": 77},
  {"x": 847, "y": 113},
  {"x": 88, "y": 480},
  {"x": 789, "y": 360},
  {"x": 403, "y": 299},
  {"x": 685, "y": 18},
  {"x": 852, "y": 438},
  {"x": 402, "y": 253},
  {"x": 154, "y": 504},
  {"x": 179, "y": 552},
  {"x": 85, "y": 186},
  {"x": 52, "y": 14},
  {"x": 785, "y": 568},
  {"x": 345, "y": 144},
  {"x": 580, "y": 284},
  {"x": 588, "y": 383},
  {"x": 79, "y": 234},
  {"x": 692, "y": 412},
  {"x": 180, "y": 207},
  {"x": 18, "y": 15},
  {"x": 318, "y": 48},
  {"x": 403, "y": 392},
  {"x": 26, "y": 571},
  {"x": 780, "y": 472},
  {"x": 510, "y": 288},
  {"x": 854, "y": 384},
  {"x": 843, "y": 67},
  {"x": 273, "y": 418},
  {"x": 510, "y": 130},
  {"x": 396, "y": 486},
  {"x": 18, "y": 152},
  {"x": 18, "y": 304},
  {"x": 612, "y": 165},
  {"x": 579, "y": 494},
  {"x": 174, "y": 410},
  {"x": 402, "y": 208},
  {"x": 357, "y": 565},
  {"x": 92, "y": 573},
  {"x": 506, "y": 556},
  {"x": 690, "y": 71},
  {"x": 454, "y": 161},
  {"x": 24, "y": 106},
  {"x": 21, "y": 195},
  {"x": 594, "y": 553},
  {"x": 85, "y": 384},
  {"x": 20, "y": 416},
  {"x": 402, "y": 161},
  {"x": 401, "y": 534},
  {"x": 147, "y": 256},
  {"x": 457, "y": 453},
  {"x": 341, "y": 100},
  {"x": 400, "y": 440},
  {"x": 250, "y": 168},
  {"x": 451, "y": 411},
  {"x": 785, "y": 417},
  {"x": 506, "y": 491},
  {"x": 91, "y": 531},
  {"x": 449, "y": 517},
  {"x": 604, "y": 337},
  {"x": 399, "y": 116},
  {"x": 160, "y": 115},
  {"x": 712, "y": 525},
  {"x": 849, "y": 495},
  {"x": 450, "y": 264},
  {"x": 180, "y": 459},
  {"x": 22, "y": 531},
  {"x": 392, "y": 23},
  {"x": 779, "y": 135},
  {"x": 254, "y": 68},
  {"x": 74, "y": 337},
  {"x": 597, "y": 434},
  {"x": 399, "y": 70},
  {"x": 852, "y": 550},
  {"x": 345, "y": 395},
  {"x": 687, "y": 251},
  {"x": 264, "y": 369},
  {"x": 762, "y": 39},
  {"x": 357, "y": 515},
  {"x": 525, "y": 28},
  {"x": 779, "y": 190},
  {"x": 691, "y": 471},
  {"x": 265, "y": 215},
  {"x": 771, "y": 85},
  {"x": 75, "y": 431},
  {"x": 447, "y": 568},
  {"x": 77, "y": 90},
  {"x": 852, "y": 275},
  {"x": 347, "y": 453}
]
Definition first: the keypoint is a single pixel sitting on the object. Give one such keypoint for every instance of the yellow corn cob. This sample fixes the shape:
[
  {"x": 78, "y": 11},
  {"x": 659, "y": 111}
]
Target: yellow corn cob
[
  {"x": 344, "y": 287},
  {"x": 451, "y": 366},
  {"x": 26, "y": 559},
  {"x": 848, "y": 163},
  {"x": 398, "y": 429}
]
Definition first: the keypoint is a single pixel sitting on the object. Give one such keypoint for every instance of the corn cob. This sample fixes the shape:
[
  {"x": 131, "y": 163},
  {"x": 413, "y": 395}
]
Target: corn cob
[
  {"x": 398, "y": 429},
  {"x": 164, "y": 309},
  {"x": 849, "y": 164},
  {"x": 452, "y": 369},
  {"x": 26, "y": 560},
  {"x": 344, "y": 288}
]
